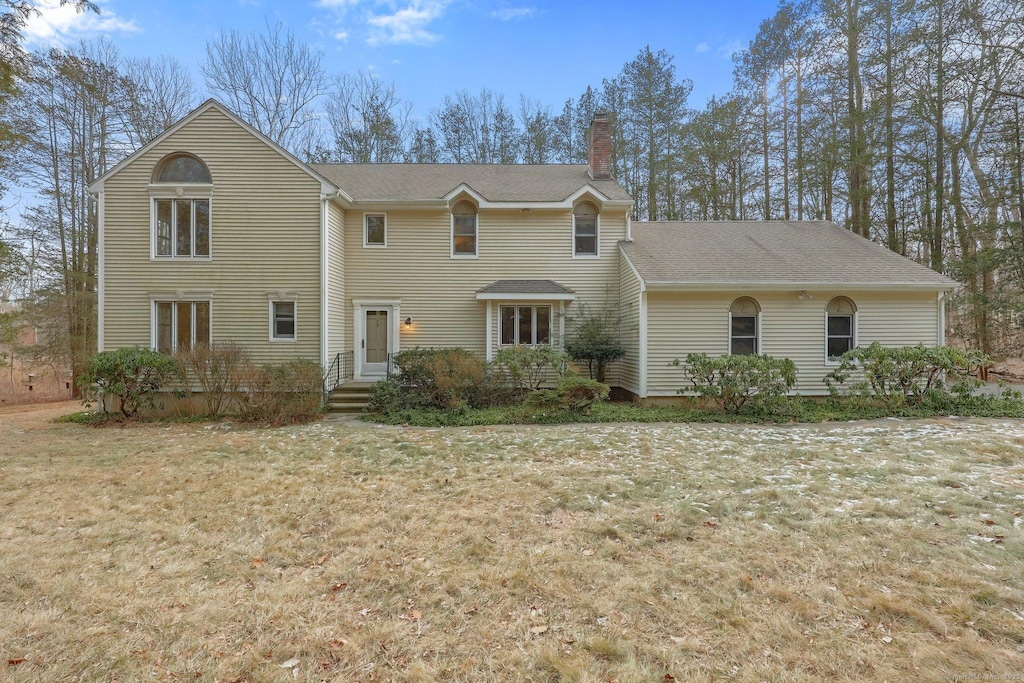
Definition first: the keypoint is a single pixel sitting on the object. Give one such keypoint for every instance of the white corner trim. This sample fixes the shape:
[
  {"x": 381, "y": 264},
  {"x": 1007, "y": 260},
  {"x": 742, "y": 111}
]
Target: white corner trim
[
  {"x": 643, "y": 343},
  {"x": 941, "y": 337},
  {"x": 100, "y": 271},
  {"x": 490, "y": 331},
  {"x": 324, "y": 283}
]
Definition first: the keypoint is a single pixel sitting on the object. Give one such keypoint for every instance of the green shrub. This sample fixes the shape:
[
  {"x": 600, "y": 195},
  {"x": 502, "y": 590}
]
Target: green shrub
[
  {"x": 455, "y": 375},
  {"x": 572, "y": 393},
  {"x": 595, "y": 339},
  {"x": 907, "y": 375},
  {"x": 737, "y": 381},
  {"x": 527, "y": 367},
  {"x": 133, "y": 376},
  {"x": 282, "y": 394},
  {"x": 449, "y": 379}
]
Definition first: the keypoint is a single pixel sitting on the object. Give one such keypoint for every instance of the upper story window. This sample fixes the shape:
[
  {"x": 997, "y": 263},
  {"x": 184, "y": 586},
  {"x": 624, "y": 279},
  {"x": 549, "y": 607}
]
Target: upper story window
[
  {"x": 744, "y": 327},
  {"x": 464, "y": 229},
  {"x": 584, "y": 229},
  {"x": 182, "y": 168},
  {"x": 181, "y": 211},
  {"x": 375, "y": 230},
  {"x": 840, "y": 327}
]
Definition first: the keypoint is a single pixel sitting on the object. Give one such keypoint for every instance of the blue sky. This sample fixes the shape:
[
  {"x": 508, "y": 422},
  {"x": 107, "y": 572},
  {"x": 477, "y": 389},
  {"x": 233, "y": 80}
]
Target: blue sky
[{"x": 548, "y": 51}]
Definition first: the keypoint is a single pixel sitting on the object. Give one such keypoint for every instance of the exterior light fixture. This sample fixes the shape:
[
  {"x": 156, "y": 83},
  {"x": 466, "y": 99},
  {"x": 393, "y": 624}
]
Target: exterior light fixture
[
  {"x": 408, "y": 322},
  {"x": 804, "y": 295}
]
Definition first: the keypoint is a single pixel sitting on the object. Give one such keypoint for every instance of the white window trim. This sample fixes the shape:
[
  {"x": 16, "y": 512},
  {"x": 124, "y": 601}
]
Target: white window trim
[
  {"x": 757, "y": 331},
  {"x": 451, "y": 239},
  {"x": 178, "y": 297},
  {"x": 368, "y": 245},
  {"x": 153, "y": 197},
  {"x": 533, "y": 314},
  {"x": 294, "y": 300},
  {"x": 597, "y": 239},
  {"x": 834, "y": 362}
]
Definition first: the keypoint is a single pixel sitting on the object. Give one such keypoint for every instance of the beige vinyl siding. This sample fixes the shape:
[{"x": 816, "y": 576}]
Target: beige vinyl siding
[
  {"x": 794, "y": 328},
  {"x": 265, "y": 237},
  {"x": 629, "y": 326},
  {"x": 439, "y": 292},
  {"x": 337, "y": 311}
]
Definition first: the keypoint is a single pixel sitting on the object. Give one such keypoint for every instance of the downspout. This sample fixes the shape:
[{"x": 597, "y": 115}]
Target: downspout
[{"x": 941, "y": 336}]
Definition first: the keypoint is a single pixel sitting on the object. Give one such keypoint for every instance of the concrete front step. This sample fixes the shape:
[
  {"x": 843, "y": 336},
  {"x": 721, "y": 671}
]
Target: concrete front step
[{"x": 349, "y": 398}]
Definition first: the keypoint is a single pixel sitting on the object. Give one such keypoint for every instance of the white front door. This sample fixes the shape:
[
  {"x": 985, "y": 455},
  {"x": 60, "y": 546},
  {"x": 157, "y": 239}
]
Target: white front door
[{"x": 375, "y": 342}]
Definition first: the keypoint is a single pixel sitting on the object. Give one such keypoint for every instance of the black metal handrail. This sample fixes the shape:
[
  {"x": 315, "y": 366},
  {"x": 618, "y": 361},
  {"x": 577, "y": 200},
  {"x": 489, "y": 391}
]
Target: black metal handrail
[{"x": 339, "y": 372}]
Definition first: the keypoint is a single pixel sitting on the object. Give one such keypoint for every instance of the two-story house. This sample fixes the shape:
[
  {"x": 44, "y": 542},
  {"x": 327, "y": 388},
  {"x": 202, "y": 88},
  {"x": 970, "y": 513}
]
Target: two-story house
[{"x": 212, "y": 233}]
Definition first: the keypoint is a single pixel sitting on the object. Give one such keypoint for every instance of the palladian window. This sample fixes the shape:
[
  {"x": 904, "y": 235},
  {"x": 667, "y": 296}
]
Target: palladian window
[{"x": 181, "y": 211}]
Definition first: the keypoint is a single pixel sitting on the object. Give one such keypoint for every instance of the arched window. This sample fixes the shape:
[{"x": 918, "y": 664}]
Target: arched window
[
  {"x": 584, "y": 229},
  {"x": 840, "y": 327},
  {"x": 744, "y": 327},
  {"x": 464, "y": 229},
  {"x": 182, "y": 168},
  {"x": 181, "y": 219}
]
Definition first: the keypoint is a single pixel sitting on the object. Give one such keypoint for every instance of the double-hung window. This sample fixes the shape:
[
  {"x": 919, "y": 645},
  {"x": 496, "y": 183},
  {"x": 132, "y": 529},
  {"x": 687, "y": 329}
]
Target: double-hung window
[
  {"x": 525, "y": 325},
  {"x": 464, "y": 229},
  {"x": 181, "y": 325},
  {"x": 282, "y": 321},
  {"x": 375, "y": 230},
  {"x": 744, "y": 327},
  {"x": 584, "y": 230},
  {"x": 840, "y": 328}
]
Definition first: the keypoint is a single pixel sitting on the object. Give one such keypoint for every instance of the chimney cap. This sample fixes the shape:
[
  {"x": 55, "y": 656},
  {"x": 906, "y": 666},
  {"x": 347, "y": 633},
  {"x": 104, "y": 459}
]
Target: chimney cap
[{"x": 600, "y": 115}]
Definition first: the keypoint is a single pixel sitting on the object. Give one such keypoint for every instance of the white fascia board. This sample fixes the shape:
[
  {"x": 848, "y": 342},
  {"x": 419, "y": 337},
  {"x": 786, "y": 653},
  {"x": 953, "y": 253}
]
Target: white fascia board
[
  {"x": 550, "y": 296},
  {"x": 643, "y": 284},
  {"x": 567, "y": 203},
  {"x": 97, "y": 185},
  {"x": 780, "y": 285}
]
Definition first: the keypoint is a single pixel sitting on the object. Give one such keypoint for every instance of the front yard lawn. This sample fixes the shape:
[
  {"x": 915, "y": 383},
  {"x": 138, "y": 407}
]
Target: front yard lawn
[{"x": 886, "y": 550}]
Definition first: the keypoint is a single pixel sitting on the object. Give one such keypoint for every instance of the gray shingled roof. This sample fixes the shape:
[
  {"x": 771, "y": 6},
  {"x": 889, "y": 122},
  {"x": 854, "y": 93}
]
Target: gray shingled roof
[
  {"x": 769, "y": 252},
  {"x": 525, "y": 287},
  {"x": 495, "y": 182}
]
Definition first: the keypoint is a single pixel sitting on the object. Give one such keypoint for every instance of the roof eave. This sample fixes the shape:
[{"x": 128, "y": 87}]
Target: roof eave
[
  {"x": 525, "y": 296},
  {"x": 779, "y": 285}
]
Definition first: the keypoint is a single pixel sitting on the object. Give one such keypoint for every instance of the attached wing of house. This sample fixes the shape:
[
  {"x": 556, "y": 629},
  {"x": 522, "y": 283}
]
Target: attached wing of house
[{"x": 213, "y": 233}]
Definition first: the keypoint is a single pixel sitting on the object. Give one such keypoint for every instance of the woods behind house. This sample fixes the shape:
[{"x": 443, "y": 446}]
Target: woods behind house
[{"x": 901, "y": 120}]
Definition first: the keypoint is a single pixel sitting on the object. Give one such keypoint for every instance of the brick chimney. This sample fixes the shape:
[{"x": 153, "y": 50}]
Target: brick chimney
[{"x": 600, "y": 152}]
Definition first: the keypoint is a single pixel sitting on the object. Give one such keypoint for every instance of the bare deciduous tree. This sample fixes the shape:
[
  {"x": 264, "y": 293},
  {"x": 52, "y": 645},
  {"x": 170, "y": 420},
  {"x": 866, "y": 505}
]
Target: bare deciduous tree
[
  {"x": 272, "y": 80},
  {"x": 369, "y": 122}
]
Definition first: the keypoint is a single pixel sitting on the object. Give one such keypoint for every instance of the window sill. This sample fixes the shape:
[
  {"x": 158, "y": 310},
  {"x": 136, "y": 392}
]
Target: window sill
[
  {"x": 586, "y": 257},
  {"x": 181, "y": 258},
  {"x": 281, "y": 340},
  {"x": 465, "y": 256},
  {"x": 375, "y": 246}
]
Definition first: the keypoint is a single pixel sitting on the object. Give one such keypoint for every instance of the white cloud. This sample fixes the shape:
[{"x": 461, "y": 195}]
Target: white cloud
[
  {"x": 702, "y": 47},
  {"x": 406, "y": 25},
  {"x": 386, "y": 21},
  {"x": 56, "y": 24},
  {"x": 727, "y": 50},
  {"x": 513, "y": 13}
]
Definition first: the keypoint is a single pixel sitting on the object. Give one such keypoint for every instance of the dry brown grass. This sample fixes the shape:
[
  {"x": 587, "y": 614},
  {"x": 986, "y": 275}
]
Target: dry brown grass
[{"x": 872, "y": 551}]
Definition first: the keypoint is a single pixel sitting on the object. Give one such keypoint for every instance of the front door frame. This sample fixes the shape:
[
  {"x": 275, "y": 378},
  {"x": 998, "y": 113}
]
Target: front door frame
[{"x": 359, "y": 306}]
